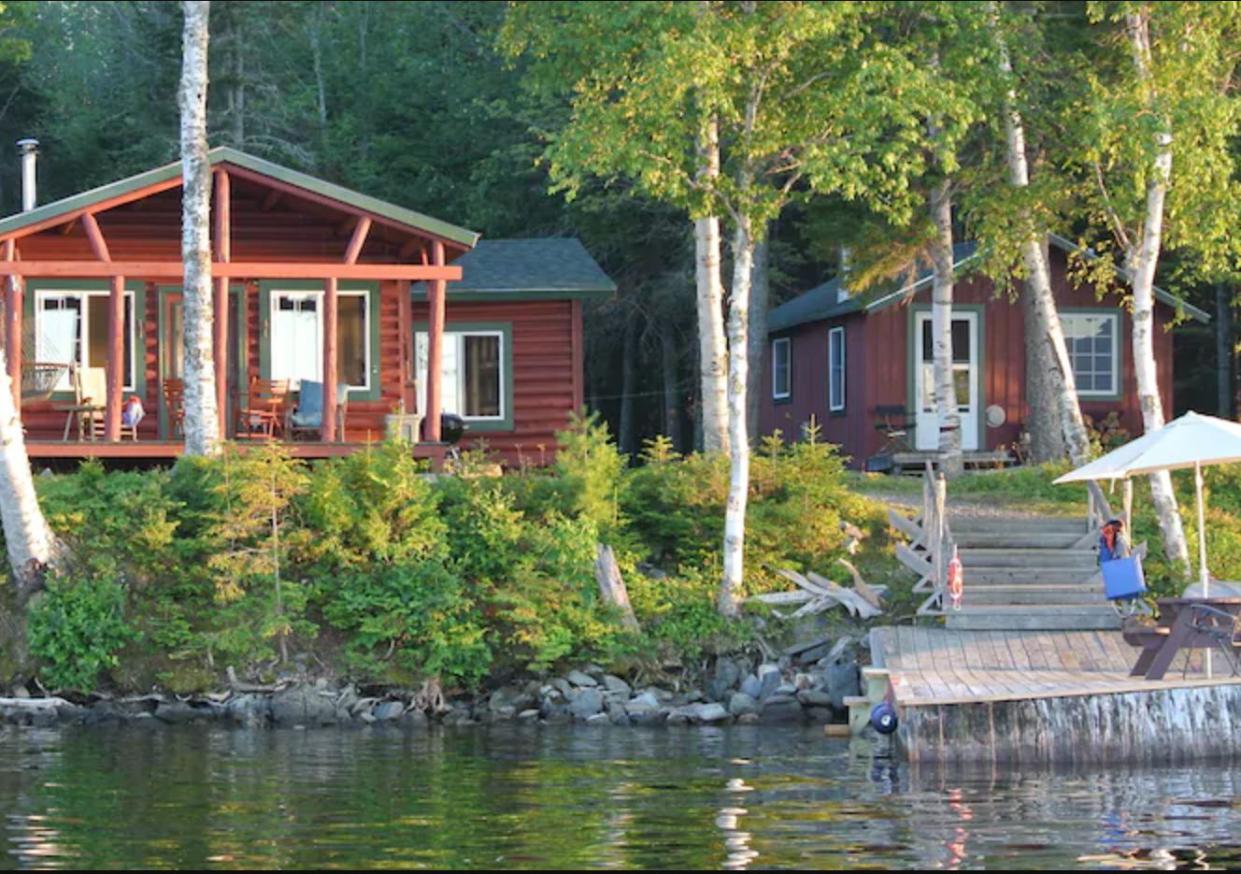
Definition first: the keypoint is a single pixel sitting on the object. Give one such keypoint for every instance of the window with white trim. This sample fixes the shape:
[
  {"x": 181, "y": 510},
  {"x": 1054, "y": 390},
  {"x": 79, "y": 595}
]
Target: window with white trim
[
  {"x": 1093, "y": 342},
  {"x": 297, "y": 337},
  {"x": 71, "y": 327},
  {"x": 781, "y": 368},
  {"x": 836, "y": 369},
  {"x": 472, "y": 376}
]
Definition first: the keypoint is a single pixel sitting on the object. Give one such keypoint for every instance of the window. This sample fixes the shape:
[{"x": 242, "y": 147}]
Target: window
[
  {"x": 836, "y": 369},
  {"x": 71, "y": 327},
  {"x": 961, "y": 352},
  {"x": 781, "y": 368},
  {"x": 297, "y": 337},
  {"x": 1092, "y": 341},
  {"x": 472, "y": 373}
]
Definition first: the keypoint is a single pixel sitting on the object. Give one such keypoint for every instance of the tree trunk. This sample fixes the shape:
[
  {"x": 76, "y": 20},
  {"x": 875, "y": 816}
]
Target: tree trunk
[
  {"x": 738, "y": 439},
  {"x": 759, "y": 295},
  {"x": 949, "y": 416},
  {"x": 672, "y": 391},
  {"x": 202, "y": 429},
  {"x": 1141, "y": 262},
  {"x": 1223, "y": 351},
  {"x": 1055, "y": 422},
  {"x": 626, "y": 427},
  {"x": 713, "y": 353},
  {"x": 29, "y": 540}
]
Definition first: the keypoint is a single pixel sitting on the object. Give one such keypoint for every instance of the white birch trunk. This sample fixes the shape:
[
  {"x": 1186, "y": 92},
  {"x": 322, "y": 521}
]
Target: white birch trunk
[
  {"x": 949, "y": 415},
  {"x": 30, "y": 543},
  {"x": 738, "y": 438},
  {"x": 713, "y": 353},
  {"x": 202, "y": 429},
  {"x": 1049, "y": 333},
  {"x": 1141, "y": 262}
]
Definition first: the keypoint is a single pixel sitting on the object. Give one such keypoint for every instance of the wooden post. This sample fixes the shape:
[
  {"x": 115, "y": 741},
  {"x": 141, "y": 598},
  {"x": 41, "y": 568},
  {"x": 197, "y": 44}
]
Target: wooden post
[
  {"x": 327, "y": 429},
  {"x": 219, "y": 338},
  {"x": 116, "y": 360},
  {"x": 435, "y": 348},
  {"x": 941, "y": 498},
  {"x": 13, "y": 327}
]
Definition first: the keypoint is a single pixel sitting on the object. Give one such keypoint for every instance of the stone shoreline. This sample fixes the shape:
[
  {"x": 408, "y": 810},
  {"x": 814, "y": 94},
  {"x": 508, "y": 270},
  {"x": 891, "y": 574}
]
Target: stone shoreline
[{"x": 806, "y": 686}]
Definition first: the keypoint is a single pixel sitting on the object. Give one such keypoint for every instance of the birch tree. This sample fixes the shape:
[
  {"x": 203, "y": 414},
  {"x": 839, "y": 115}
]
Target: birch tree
[
  {"x": 32, "y": 547},
  {"x": 202, "y": 419},
  {"x": 1155, "y": 152}
]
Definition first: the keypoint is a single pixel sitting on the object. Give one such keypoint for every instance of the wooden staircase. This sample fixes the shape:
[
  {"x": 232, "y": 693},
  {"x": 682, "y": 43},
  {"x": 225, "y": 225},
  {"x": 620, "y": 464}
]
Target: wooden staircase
[
  {"x": 1028, "y": 573},
  {"x": 1021, "y": 573}
]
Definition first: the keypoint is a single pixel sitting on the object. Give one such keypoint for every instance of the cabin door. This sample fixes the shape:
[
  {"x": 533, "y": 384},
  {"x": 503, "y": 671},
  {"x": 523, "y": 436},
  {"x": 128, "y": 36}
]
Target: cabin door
[
  {"x": 966, "y": 373},
  {"x": 172, "y": 359}
]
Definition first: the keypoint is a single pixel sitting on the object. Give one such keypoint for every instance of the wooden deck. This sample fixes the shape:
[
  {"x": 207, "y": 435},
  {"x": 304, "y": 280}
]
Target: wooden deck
[
  {"x": 158, "y": 450},
  {"x": 1045, "y": 697},
  {"x": 929, "y": 666}
]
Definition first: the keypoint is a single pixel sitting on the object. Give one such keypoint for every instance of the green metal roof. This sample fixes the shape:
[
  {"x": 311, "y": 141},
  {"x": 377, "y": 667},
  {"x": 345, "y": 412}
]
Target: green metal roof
[
  {"x": 541, "y": 267},
  {"x": 225, "y": 155},
  {"x": 824, "y": 302}
]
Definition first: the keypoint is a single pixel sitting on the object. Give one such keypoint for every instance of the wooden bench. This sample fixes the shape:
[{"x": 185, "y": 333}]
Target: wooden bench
[{"x": 1185, "y": 623}]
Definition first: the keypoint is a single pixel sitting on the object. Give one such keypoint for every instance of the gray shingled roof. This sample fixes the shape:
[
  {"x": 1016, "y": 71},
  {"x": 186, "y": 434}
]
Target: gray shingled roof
[
  {"x": 821, "y": 302},
  {"x": 542, "y": 267}
]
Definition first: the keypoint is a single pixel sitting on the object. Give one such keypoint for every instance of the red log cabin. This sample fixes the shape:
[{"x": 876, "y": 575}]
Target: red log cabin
[
  {"x": 414, "y": 315},
  {"x": 860, "y": 364}
]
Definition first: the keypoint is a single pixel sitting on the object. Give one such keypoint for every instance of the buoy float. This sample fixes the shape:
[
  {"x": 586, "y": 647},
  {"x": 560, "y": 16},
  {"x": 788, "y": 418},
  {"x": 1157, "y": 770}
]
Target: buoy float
[
  {"x": 956, "y": 579},
  {"x": 883, "y": 718}
]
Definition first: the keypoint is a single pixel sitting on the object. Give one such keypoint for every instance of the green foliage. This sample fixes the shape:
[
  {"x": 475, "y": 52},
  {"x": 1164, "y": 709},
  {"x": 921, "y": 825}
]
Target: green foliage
[
  {"x": 590, "y": 468},
  {"x": 417, "y": 615},
  {"x": 77, "y": 628}
]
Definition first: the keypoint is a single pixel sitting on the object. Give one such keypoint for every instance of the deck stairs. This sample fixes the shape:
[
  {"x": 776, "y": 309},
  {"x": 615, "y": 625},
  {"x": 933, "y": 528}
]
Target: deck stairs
[{"x": 1028, "y": 573}]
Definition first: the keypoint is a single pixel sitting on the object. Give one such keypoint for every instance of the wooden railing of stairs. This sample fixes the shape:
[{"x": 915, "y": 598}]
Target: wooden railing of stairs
[{"x": 1021, "y": 571}]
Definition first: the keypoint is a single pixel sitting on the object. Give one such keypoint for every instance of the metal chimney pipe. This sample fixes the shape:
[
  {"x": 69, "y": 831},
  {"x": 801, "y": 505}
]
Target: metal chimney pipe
[{"x": 29, "y": 150}]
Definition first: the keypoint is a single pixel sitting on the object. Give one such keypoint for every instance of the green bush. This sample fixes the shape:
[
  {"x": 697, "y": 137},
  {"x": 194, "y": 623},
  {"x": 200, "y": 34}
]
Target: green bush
[{"x": 76, "y": 628}]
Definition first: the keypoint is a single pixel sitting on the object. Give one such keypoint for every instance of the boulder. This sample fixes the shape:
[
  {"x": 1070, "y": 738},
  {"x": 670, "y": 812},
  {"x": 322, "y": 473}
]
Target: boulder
[
  {"x": 414, "y": 719},
  {"x": 646, "y": 715},
  {"x": 597, "y": 719},
  {"x": 814, "y": 698},
  {"x": 752, "y": 686},
  {"x": 176, "y": 712},
  {"x": 820, "y": 715},
  {"x": 711, "y": 713},
  {"x": 578, "y": 678},
  {"x": 741, "y": 703},
  {"x": 563, "y": 686},
  {"x": 747, "y": 719},
  {"x": 511, "y": 698},
  {"x": 386, "y": 711},
  {"x": 725, "y": 678},
  {"x": 615, "y": 685},
  {"x": 678, "y": 717},
  {"x": 531, "y": 715},
  {"x": 250, "y": 711},
  {"x": 501, "y": 714},
  {"x": 302, "y": 705},
  {"x": 586, "y": 704},
  {"x": 647, "y": 699},
  {"x": 781, "y": 708},
  {"x": 616, "y": 713},
  {"x": 843, "y": 681},
  {"x": 768, "y": 680}
]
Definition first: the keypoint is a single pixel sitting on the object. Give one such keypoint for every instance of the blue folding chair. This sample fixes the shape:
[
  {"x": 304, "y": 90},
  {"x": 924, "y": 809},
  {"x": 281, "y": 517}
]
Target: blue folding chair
[{"x": 307, "y": 416}]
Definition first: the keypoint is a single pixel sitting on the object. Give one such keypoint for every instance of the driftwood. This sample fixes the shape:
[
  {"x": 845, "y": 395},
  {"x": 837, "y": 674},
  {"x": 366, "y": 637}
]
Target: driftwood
[
  {"x": 612, "y": 587},
  {"x": 816, "y": 595},
  {"x": 870, "y": 594},
  {"x": 35, "y": 704}
]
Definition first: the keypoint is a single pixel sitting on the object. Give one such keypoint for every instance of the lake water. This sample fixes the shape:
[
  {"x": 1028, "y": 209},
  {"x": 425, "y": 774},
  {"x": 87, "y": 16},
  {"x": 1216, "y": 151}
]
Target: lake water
[{"x": 578, "y": 798}]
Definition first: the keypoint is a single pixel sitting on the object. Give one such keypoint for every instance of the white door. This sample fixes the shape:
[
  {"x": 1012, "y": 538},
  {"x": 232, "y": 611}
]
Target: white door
[{"x": 966, "y": 373}]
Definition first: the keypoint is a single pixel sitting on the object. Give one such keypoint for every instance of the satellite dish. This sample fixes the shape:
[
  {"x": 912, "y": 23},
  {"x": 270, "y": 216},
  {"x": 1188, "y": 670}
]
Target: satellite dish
[{"x": 995, "y": 416}]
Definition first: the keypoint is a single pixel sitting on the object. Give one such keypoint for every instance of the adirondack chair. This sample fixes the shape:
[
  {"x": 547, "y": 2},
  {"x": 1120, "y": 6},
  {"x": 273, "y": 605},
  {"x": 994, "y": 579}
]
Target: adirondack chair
[
  {"x": 90, "y": 391},
  {"x": 307, "y": 416},
  {"x": 265, "y": 410}
]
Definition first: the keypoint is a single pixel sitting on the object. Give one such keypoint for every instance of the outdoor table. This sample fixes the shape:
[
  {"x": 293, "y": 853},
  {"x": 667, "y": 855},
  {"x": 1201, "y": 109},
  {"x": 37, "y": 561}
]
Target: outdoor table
[{"x": 1177, "y": 630}]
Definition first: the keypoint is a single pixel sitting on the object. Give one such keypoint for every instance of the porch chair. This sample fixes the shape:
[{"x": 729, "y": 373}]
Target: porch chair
[
  {"x": 90, "y": 392},
  {"x": 174, "y": 406},
  {"x": 307, "y": 416},
  {"x": 265, "y": 409}
]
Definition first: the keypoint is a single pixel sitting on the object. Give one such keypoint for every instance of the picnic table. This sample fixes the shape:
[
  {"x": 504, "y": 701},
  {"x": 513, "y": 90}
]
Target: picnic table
[{"x": 1185, "y": 623}]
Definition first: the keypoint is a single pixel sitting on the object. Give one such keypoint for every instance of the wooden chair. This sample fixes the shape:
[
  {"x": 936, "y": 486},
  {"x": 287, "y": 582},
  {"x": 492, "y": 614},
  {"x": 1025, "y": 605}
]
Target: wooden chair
[
  {"x": 90, "y": 392},
  {"x": 307, "y": 416},
  {"x": 265, "y": 409},
  {"x": 174, "y": 405}
]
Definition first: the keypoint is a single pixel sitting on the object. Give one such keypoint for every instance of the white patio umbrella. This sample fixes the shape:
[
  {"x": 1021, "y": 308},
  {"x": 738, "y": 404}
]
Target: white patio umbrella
[{"x": 1191, "y": 441}]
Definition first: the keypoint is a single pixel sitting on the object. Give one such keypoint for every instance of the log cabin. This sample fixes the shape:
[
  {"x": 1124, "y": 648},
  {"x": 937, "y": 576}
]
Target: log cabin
[
  {"x": 415, "y": 316},
  {"x": 860, "y": 365}
]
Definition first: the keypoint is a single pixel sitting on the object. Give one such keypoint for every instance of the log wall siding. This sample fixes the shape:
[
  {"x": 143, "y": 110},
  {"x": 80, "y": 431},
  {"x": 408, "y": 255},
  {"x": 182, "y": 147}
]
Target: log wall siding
[
  {"x": 877, "y": 345},
  {"x": 544, "y": 361}
]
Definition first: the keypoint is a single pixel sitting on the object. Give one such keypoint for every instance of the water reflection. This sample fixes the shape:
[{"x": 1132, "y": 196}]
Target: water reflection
[{"x": 525, "y": 797}]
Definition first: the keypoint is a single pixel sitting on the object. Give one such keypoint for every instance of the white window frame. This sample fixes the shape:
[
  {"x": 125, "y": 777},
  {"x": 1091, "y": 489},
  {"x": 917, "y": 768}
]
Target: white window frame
[
  {"x": 277, "y": 294},
  {"x": 836, "y": 336},
  {"x": 787, "y": 344},
  {"x": 458, "y": 337},
  {"x": 86, "y": 294},
  {"x": 1067, "y": 316}
]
